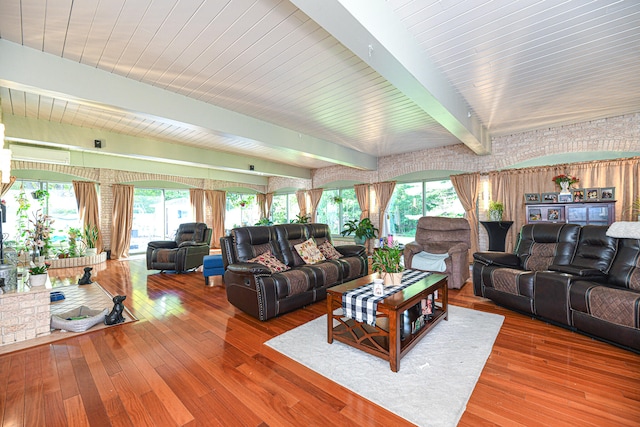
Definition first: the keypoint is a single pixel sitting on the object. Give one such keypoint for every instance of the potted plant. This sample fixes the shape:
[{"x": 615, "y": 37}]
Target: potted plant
[
  {"x": 264, "y": 221},
  {"x": 90, "y": 237},
  {"x": 38, "y": 275},
  {"x": 40, "y": 195},
  {"x": 634, "y": 207},
  {"x": 496, "y": 209},
  {"x": 337, "y": 200},
  {"x": 386, "y": 261},
  {"x": 301, "y": 219},
  {"x": 362, "y": 230}
]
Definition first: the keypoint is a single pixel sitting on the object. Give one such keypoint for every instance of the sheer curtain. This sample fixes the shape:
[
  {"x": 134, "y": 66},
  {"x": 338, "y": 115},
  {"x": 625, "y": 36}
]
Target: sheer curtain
[
  {"x": 467, "y": 187},
  {"x": 315, "y": 195},
  {"x": 122, "y": 222},
  {"x": 88, "y": 206},
  {"x": 301, "y": 196},
  {"x": 362, "y": 195},
  {"x": 384, "y": 191},
  {"x": 218, "y": 201},
  {"x": 268, "y": 200},
  {"x": 196, "y": 195}
]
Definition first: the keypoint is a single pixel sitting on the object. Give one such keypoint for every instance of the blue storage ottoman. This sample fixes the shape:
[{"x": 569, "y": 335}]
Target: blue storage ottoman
[{"x": 212, "y": 266}]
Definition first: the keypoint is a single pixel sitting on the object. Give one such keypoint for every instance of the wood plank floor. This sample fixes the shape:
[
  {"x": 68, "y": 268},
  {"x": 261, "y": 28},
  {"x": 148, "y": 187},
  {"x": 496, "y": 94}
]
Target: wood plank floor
[{"x": 194, "y": 360}]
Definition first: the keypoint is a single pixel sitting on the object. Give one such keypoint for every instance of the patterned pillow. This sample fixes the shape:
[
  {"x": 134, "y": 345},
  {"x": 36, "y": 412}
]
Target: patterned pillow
[
  {"x": 271, "y": 262},
  {"x": 329, "y": 251},
  {"x": 309, "y": 252}
]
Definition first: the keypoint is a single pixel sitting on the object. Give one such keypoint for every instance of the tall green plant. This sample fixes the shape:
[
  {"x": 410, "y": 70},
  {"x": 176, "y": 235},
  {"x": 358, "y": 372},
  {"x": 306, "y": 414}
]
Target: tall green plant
[
  {"x": 90, "y": 235},
  {"x": 22, "y": 221}
]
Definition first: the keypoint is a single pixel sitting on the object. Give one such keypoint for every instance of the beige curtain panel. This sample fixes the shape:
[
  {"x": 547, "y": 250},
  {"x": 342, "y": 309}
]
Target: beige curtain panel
[
  {"x": 268, "y": 201},
  {"x": 196, "y": 196},
  {"x": 217, "y": 200},
  {"x": 315, "y": 195},
  {"x": 88, "y": 206},
  {"x": 122, "y": 222},
  {"x": 7, "y": 186},
  {"x": 384, "y": 191},
  {"x": 362, "y": 195},
  {"x": 301, "y": 196},
  {"x": 467, "y": 187},
  {"x": 261, "y": 200}
]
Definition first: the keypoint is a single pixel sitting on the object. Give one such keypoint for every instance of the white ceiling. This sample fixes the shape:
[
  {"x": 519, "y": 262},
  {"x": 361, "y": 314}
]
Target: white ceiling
[{"x": 360, "y": 80}]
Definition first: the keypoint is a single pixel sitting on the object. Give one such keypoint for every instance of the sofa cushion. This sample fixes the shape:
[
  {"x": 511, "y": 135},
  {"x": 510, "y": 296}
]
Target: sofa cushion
[
  {"x": 619, "y": 306},
  {"x": 540, "y": 245},
  {"x": 309, "y": 252},
  {"x": 329, "y": 251},
  {"x": 289, "y": 235},
  {"x": 625, "y": 269},
  {"x": 268, "y": 260}
]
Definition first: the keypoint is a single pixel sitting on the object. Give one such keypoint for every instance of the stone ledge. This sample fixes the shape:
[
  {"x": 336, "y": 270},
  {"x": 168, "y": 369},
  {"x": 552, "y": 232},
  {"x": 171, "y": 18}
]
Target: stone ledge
[{"x": 78, "y": 261}]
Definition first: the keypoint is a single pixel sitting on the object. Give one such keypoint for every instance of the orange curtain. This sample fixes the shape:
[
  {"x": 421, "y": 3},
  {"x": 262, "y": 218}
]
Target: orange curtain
[
  {"x": 315, "y": 195},
  {"x": 468, "y": 186},
  {"x": 88, "y": 206},
  {"x": 384, "y": 191},
  {"x": 217, "y": 200},
  {"x": 362, "y": 194},
  {"x": 122, "y": 222},
  {"x": 196, "y": 195}
]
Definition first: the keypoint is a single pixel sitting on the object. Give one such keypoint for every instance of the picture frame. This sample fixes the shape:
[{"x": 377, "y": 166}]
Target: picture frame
[
  {"x": 535, "y": 215},
  {"x": 565, "y": 198},
  {"x": 608, "y": 193},
  {"x": 591, "y": 194},
  {"x": 531, "y": 198},
  {"x": 577, "y": 194},
  {"x": 554, "y": 214},
  {"x": 550, "y": 197}
]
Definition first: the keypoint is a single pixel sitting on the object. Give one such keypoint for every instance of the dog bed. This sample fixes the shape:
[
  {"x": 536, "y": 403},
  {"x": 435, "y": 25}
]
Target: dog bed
[{"x": 79, "y": 319}]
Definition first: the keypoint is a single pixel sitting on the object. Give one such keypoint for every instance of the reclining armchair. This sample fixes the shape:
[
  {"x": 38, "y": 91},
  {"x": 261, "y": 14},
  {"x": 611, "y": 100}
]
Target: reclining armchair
[
  {"x": 448, "y": 239},
  {"x": 185, "y": 253}
]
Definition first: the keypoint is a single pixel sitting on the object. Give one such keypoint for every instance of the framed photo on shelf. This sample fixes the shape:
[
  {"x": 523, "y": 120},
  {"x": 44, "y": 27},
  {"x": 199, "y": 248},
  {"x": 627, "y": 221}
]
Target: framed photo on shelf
[
  {"x": 554, "y": 214},
  {"x": 565, "y": 198},
  {"x": 535, "y": 215},
  {"x": 578, "y": 194},
  {"x": 608, "y": 193},
  {"x": 591, "y": 194},
  {"x": 549, "y": 197},
  {"x": 531, "y": 198}
]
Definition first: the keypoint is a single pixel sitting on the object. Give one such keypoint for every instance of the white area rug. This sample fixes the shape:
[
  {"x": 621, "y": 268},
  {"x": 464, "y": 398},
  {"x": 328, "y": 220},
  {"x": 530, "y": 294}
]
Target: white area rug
[{"x": 436, "y": 377}]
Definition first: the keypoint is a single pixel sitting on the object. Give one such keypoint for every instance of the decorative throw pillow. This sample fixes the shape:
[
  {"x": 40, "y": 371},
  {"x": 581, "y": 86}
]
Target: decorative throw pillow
[
  {"x": 309, "y": 252},
  {"x": 329, "y": 251},
  {"x": 271, "y": 262}
]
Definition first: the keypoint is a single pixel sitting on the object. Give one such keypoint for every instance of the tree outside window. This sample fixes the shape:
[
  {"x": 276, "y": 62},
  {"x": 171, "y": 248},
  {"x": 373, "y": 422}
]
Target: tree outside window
[{"x": 338, "y": 206}]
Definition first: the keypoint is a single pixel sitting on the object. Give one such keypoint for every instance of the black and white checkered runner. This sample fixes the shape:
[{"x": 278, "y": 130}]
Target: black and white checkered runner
[{"x": 360, "y": 304}]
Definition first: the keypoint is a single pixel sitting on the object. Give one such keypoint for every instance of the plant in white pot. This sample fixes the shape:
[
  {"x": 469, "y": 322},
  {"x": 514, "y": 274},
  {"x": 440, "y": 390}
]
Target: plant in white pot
[
  {"x": 387, "y": 262},
  {"x": 90, "y": 237},
  {"x": 38, "y": 275},
  {"x": 496, "y": 209}
]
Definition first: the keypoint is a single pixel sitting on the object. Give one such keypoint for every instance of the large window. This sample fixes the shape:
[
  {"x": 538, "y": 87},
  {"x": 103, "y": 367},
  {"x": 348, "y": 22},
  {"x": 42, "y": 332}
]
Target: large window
[
  {"x": 337, "y": 207},
  {"x": 284, "y": 208},
  {"x": 157, "y": 213},
  {"x": 410, "y": 201},
  {"x": 61, "y": 206},
  {"x": 242, "y": 210}
]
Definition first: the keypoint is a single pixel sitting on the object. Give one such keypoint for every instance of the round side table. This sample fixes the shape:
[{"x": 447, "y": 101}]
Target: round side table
[{"x": 497, "y": 231}]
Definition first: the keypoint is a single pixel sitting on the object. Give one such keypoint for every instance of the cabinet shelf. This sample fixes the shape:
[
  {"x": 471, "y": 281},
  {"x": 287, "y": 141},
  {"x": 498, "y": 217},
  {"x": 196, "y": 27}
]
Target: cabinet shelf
[{"x": 589, "y": 213}]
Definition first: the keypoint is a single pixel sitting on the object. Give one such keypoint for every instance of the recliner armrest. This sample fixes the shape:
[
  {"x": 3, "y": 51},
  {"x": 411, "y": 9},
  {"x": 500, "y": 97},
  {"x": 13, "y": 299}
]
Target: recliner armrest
[
  {"x": 190, "y": 243},
  {"x": 352, "y": 250},
  {"x": 589, "y": 273},
  {"x": 458, "y": 248},
  {"x": 249, "y": 268},
  {"x": 503, "y": 259},
  {"x": 162, "y": 244},
  {"x": 413, "y": 247}
]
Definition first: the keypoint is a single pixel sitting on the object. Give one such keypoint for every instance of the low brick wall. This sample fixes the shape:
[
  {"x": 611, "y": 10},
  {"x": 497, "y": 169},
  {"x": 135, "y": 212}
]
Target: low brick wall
[
  {"x": 78, "y": 261},
  {"x": 24, "y": 315}
]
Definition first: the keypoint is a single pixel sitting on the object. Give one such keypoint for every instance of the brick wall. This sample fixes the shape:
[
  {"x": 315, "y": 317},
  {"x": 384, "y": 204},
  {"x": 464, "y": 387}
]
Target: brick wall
[{"x": 24, "y": 315}]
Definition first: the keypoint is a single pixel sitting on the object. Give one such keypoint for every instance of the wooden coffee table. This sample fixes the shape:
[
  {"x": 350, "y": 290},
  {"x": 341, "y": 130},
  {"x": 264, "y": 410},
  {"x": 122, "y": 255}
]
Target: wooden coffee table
[{"x": 384, "y": 339}]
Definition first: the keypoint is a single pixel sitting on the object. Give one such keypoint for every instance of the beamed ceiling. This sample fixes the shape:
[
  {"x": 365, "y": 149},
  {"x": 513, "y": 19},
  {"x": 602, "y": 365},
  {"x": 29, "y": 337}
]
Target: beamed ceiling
[{"x": 303, "y": 84}]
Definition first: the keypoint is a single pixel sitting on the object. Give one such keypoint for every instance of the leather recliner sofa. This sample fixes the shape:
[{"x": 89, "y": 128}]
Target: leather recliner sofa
[
  {"x": 182, "y": 254},
  {"x": 256, "y": 290},
  {"x": 569, "y": 275}
]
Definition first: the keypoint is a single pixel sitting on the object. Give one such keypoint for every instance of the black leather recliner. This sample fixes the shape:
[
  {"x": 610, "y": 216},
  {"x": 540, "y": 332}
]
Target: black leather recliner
[{"x": 192, "y": 243}]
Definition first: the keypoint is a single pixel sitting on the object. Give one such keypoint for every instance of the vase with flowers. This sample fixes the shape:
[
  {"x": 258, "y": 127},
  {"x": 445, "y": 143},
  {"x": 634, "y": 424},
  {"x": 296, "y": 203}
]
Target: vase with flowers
[
  {"x": 38, "y": 234},
  {"x": 565, "y": 181}
]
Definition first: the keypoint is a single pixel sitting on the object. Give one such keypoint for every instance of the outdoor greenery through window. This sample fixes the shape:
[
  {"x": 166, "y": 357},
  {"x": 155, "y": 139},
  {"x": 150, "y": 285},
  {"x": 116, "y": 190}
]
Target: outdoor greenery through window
[
  {"x": 284, "y": 208},
  {"x": 410, "y": 201},
  {"x": 60, "y": 205},
  {"x": 157, "y": 213},
  {"x": 242, "y": 210},
  {"x": 337, "y": 207}
]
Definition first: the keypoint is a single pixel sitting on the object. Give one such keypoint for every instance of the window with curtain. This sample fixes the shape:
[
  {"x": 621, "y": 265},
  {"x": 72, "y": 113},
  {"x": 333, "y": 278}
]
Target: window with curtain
[
  {"x": 60, "y": 205},
  {"x": 338, "y": 206},
  {"x": 412, "y": 200},
  {"x": 242, "y": 210},
  {"x": 157, "y": 213},
  {"x": 284, "y": 208}
]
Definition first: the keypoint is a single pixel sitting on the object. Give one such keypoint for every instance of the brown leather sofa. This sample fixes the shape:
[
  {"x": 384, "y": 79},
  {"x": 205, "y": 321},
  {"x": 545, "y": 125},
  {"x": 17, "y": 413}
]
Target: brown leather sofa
[
  {"x": 572, "y": 276},
  {"x": 254, "y": 289},
  {"x": 441, "y": 235}
]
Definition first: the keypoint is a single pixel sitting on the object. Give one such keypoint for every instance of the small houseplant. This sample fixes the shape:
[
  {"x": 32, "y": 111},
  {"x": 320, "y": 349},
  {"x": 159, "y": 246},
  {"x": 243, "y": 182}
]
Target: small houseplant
[
  {"x": 362, "y": 230},
  {"x": 301, "y": 219},
  {"x": 38, "y": 275},
  {"x": 387, "y": 262},
  {"x": 496, "y": 209},
  {"x": 90, "y": 237}
]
